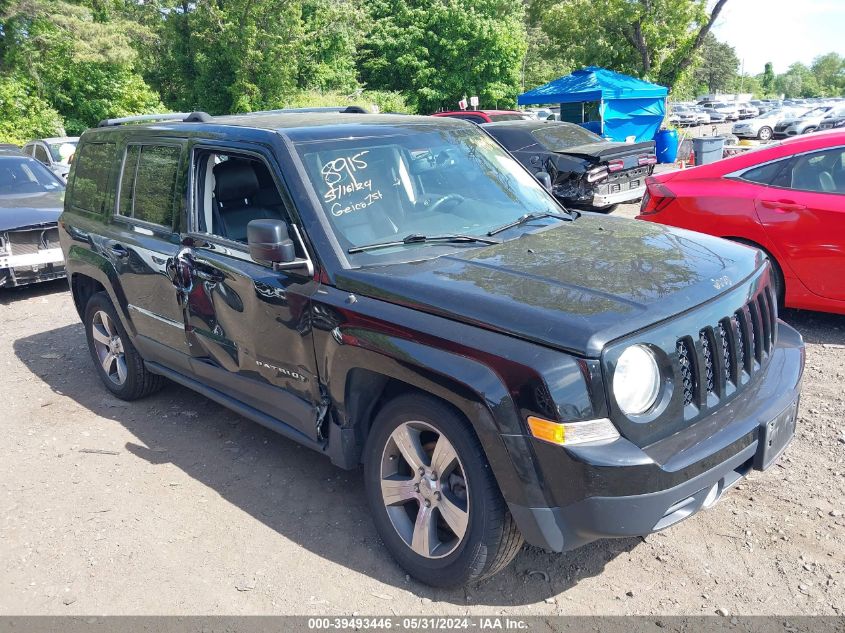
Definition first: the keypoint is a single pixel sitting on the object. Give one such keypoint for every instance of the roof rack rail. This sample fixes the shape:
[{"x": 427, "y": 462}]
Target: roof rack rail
[
  {"x": 187, "y": 117},
  {"x": 350, "y": 109}
]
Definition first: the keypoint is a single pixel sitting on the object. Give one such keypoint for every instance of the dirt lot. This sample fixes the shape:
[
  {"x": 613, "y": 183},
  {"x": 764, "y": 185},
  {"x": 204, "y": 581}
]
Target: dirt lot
[{"x": 174, "y": 505}]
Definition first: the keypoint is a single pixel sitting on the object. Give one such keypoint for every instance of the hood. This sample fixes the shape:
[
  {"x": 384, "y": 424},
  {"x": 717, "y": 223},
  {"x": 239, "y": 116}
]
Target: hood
[
  {"x": 575, "y": 287},
  {"x": 30, "y": 210}
]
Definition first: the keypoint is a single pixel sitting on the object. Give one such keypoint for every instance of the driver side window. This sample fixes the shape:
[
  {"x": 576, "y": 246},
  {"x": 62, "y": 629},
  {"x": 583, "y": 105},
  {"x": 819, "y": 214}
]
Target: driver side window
[{"x": 231, "y": 190}]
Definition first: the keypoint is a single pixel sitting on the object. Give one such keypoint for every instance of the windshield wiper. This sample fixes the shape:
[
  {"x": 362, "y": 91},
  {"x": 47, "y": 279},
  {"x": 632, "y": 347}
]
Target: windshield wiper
[
  {"x": 528, "y": 217},
  {"x": 415, "y": 238}
]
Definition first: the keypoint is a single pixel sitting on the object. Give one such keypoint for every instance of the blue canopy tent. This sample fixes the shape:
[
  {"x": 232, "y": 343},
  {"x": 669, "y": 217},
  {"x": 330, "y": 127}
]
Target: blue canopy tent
[{"x": 627, "y": 106}]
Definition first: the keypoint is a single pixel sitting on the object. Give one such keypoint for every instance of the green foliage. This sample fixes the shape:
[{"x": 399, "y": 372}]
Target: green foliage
[
  {"x": 717, "y": 68},
  {"x": 798, "y": 81},
  {"x": 84, "y": 67},
  {"x": 767, "y": 80},
  {"x": 385, "y": 101},
  {"x": 437, "y": 51},
  {"x": 23, "y": 115},
  {"x": 829, "y": 71},
  {"x": 652, "y": 39}
]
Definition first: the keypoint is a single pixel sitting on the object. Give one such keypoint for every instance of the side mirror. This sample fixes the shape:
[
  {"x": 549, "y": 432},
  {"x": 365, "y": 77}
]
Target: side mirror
[
  {"x": 268, "y": 241},
  {"x": 544, "y": 179}
]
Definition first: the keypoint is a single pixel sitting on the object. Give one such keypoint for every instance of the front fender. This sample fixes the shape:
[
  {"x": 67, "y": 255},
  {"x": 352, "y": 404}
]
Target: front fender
[{"x": 494, "y": 380}]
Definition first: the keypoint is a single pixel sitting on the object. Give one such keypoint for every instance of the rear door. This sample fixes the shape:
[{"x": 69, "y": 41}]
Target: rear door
[
  {"x": 248, "y": 327},
  {"x": 142, "y": 238},
  {"x": 804, "y": 213}
]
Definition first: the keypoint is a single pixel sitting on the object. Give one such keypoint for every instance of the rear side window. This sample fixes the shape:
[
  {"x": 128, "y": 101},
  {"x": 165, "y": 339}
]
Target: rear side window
[
  {"x": 91, "y": 176},
  {"x": 148, "y": 183},
  {"x": 771, "y": 174}
]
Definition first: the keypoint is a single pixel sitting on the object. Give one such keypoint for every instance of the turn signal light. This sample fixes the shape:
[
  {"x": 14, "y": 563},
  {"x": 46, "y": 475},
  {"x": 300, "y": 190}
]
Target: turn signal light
[{"x": 567, "y": 434}]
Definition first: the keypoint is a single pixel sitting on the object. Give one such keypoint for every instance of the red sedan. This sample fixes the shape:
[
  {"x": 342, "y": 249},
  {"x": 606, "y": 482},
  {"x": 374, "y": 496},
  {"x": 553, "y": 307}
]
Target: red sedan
[{"x": 787, "y": 198}]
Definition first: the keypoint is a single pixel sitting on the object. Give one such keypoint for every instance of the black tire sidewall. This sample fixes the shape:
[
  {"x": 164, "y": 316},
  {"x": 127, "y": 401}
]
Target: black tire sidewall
[
  {"x": 468, "y": 560},
  {"x": 98, "y": 302}
]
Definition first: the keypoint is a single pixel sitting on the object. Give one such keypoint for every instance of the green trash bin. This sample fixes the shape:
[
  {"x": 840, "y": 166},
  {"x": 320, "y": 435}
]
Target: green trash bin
[{"x": 708, "y": 149}]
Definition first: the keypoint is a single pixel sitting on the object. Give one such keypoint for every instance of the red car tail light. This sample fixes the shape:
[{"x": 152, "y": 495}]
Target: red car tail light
[
  {"x": 647, "y": 159},
  {"x": 615, "y": 165},
  {"x": 657, "y": 196}
]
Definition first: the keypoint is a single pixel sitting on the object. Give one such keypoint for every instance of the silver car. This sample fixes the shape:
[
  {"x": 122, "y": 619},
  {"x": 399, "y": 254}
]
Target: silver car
[
  {"x": 763, "y": 127},
  {"x": 54, "y": 152},
  {"x": 806, "y": 123}
]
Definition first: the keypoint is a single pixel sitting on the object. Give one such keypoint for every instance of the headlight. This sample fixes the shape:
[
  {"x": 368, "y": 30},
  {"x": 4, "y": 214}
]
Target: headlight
[{"x": 636, "y": 381}]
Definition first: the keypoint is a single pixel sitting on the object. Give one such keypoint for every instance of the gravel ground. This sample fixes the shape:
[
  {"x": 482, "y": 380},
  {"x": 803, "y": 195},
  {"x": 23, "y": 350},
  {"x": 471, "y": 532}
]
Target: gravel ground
[{"x": 174, "y": 505}]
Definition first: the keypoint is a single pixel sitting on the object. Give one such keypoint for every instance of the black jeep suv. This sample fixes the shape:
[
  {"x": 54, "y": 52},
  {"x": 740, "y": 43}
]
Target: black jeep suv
[{"x": 398, "y": 291}]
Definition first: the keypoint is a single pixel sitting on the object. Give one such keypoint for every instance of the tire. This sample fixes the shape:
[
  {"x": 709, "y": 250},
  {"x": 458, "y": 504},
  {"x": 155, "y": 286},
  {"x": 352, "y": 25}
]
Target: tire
[
  {"x": 765, "y": 133},
  {"x": 809, "y": 130},
  {"x": 466, "y": 490},
  {"x": 116, "y": 361}
]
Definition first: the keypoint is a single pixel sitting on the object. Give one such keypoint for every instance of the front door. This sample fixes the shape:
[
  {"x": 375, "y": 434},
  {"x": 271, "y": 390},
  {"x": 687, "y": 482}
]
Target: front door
[
  {"x": 806, "y": 217},
  {"x": 248, "y": 326}
]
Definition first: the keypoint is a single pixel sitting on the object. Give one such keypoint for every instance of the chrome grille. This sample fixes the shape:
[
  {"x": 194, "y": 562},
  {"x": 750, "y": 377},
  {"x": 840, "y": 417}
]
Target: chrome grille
[{"x": 725, "y": 355}]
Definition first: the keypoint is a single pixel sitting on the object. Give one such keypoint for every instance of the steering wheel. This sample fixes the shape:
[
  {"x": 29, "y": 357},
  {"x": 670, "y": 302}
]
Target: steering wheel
[{"x": 449, "y": 197}]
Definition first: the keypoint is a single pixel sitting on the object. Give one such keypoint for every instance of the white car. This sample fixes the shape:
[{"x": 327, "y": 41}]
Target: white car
[
  {"x": 54, "y": 152},
  {"x": 763, "y": 127}
]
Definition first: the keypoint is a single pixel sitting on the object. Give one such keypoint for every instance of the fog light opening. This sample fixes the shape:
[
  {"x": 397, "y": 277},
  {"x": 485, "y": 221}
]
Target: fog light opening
[{"x": 712, "y": 496}]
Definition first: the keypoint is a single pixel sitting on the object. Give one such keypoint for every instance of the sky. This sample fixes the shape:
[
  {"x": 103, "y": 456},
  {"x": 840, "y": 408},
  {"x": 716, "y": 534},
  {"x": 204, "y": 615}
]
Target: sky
[{"x": 782, "y": 31}]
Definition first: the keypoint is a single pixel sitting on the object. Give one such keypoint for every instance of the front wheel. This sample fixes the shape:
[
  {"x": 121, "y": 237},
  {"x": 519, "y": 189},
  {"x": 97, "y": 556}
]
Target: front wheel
[
  {"x": 433, "y": 497},
  {"x": 765, "y": 133}
]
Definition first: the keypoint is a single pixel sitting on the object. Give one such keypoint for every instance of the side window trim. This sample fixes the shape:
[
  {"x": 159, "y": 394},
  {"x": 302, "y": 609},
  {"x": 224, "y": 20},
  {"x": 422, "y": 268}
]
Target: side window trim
[
  {"x": 119, "y": 217},
  {"x": 786, "y": 161}
]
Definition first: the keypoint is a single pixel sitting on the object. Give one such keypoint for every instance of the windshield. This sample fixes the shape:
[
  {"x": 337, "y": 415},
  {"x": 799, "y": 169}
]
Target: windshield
[
  {"x": 564, "y": 135},
  {"x": 418, "y": 180},
  {"x": 20, "y": 175},
  {"x": 61, "y": 152},
  {"x": 815, "y": 112}
]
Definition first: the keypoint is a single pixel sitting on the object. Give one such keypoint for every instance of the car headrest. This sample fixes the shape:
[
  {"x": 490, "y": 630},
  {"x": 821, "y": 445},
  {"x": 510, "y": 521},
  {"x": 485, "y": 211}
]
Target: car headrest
[{"x": 234, "y": 180}]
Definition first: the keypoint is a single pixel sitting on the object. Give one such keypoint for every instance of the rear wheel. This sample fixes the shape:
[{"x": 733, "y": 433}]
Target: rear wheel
[
  {"x": 809, "y": 129},
  {"x": 765, "y": 133},
  {"x": 433, "y": 497},
  {"x": 116, "y": 360}
]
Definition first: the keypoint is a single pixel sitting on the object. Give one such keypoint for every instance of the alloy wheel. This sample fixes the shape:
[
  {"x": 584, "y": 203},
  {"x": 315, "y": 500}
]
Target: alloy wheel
[
  {"x": 109, "y": 347},
  {"x": 424, "y": 489}
]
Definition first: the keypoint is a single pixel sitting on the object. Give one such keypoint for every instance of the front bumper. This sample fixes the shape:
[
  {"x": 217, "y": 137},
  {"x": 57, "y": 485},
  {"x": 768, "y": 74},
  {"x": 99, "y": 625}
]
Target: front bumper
[
  {"x": 29, "y": 268},
  {"x": 617, "y": 489}
]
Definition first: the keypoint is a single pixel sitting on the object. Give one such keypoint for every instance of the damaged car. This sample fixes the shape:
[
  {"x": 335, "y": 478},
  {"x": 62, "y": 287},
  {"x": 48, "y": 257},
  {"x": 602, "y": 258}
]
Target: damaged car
[
  {"x": 31, "y": 199},
  {"x": 584, "y": 170}
]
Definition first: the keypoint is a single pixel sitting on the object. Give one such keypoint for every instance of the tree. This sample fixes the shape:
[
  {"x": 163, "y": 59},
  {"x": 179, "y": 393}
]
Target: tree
[
  {"x": 797, "y": 81},
  {"x": 829, "y": 71},
  {"x": 437, "y": 51},
  {"x": 79, "y": 60},
  {"x": 24, "y": 116},
  {"x": 653, "y": 39},
  {"x": 767, "y": 80},
  {"x": 718, "y": 65}
]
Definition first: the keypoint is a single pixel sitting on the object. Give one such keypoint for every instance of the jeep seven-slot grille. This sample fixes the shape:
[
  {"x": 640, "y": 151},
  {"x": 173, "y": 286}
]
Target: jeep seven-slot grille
[{"x": 729, "y": 352}]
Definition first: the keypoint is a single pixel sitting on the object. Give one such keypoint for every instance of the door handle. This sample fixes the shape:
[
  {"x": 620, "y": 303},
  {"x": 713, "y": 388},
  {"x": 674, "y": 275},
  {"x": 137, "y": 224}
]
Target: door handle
[
  {"x": 119, "y": 251},
  {"x": 783, "y": 205}
]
